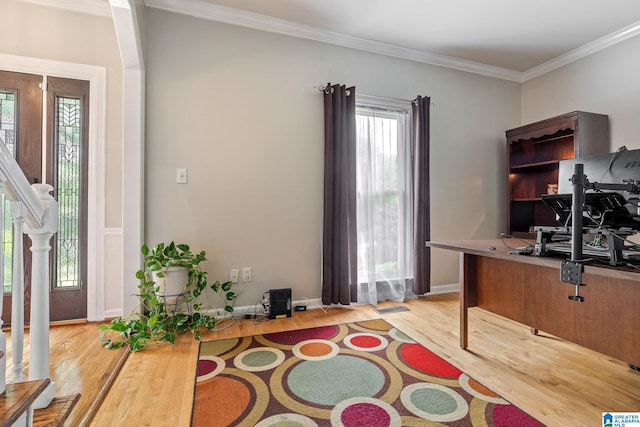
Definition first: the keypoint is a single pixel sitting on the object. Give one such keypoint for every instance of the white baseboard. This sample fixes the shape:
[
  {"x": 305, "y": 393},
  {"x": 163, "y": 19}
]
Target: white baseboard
[
  {"x": 315, "y": 303},
  {"x": 110, "y": 314},
  {"x": 239, "y": 312},
  {"x": 444, "y": 289}
]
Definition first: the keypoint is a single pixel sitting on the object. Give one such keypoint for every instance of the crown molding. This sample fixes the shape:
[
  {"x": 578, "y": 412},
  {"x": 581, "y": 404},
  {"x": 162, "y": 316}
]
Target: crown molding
[
  {"x": 213, "y": 12},
  {"x": 586, "y": 50},
  {"x": 91, "y": 7}
]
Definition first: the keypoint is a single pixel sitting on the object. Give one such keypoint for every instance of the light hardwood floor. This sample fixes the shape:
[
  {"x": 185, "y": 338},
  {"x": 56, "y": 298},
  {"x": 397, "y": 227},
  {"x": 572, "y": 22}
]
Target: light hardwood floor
[
  {"x": 79, "y": 365},
  {"x": 559, "y": 383}
]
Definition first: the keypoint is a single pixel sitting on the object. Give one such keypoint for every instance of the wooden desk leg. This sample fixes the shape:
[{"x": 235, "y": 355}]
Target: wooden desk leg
[
  {"x": 468, "y": 293},
  {"x": 464, "y": 303}
]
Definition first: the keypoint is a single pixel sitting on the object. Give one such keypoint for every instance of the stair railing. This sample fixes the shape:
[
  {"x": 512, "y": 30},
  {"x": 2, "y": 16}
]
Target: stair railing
[{"x": 34, "y": 212}]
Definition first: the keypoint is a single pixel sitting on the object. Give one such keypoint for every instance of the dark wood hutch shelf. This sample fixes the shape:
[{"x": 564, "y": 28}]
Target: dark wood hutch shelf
[{"x": 533, "y": 155}]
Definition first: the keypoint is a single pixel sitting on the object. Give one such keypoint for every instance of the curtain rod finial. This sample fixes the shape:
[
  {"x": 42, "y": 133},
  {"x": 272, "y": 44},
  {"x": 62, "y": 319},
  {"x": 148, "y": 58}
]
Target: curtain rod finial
[{"x": 326, "y": 89}]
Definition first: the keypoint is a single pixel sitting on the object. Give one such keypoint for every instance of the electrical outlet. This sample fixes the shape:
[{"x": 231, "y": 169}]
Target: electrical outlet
[
  {"x": 233, "y": 276},
  {"x": 246, "y": 274}
]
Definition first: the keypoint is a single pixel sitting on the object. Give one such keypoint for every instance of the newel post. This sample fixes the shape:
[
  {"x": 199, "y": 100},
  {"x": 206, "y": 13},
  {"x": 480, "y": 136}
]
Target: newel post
[{"x": 40, "y": 289}]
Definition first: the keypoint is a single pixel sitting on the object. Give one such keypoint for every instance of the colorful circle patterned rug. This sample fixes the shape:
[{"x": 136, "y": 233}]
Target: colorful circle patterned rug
[{"x": 357, "y": 374}]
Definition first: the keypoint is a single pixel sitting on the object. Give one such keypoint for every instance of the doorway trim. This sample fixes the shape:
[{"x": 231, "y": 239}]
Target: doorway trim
[{"x": 97, "y": 76}]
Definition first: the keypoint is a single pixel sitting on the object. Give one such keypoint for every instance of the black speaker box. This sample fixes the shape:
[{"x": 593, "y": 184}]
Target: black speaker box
[{"x": 280, "y": 303}]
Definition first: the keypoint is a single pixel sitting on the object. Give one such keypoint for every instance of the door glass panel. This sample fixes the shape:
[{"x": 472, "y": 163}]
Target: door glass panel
[
  {"x": 8, "y": 136},
  {"x": 67, "y": 151}
]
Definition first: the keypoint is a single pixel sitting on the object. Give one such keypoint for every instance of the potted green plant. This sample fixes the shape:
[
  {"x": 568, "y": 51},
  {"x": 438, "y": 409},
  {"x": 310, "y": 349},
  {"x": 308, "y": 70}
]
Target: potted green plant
[
  {"x": 153, "y": 321},
  {"x": 174, "y": 268}
]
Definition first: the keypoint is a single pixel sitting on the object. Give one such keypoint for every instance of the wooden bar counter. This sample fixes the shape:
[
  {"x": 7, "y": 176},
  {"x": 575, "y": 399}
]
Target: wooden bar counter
[{"x": 528, "y": 290}]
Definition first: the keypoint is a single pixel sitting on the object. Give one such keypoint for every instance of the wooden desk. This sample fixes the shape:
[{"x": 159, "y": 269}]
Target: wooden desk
[{"x": 528, "y": 289}]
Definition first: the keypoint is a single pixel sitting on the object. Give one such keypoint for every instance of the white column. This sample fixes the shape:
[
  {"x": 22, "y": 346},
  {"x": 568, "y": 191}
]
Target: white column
[
  {"x": 17, "y": 292},
  {"x": 39, "y": 319}
]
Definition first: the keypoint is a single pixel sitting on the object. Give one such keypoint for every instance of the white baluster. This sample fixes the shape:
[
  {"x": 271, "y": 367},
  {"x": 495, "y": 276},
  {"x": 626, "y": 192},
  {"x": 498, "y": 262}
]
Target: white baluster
[
  {"x": 39, "y": 319},
  {"x": 18, "y": 212},
  {"x": 3, "y": 336}
]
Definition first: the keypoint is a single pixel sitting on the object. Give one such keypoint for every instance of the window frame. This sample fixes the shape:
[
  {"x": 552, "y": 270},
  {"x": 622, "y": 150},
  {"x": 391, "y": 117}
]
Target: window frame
[{"x": 393, "y": 107}]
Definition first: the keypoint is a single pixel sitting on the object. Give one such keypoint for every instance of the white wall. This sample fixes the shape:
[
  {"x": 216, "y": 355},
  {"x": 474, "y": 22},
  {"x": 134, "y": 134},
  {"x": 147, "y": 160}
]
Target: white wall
[
  {"x": 606, "y": 82},
  {"x": 238, "y": 108}
]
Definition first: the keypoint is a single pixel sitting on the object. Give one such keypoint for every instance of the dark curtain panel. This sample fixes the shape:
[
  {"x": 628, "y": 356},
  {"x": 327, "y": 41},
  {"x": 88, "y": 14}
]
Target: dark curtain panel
[
  {"x": 339, "y": 231},
  {"x": 421, "y": 203}
]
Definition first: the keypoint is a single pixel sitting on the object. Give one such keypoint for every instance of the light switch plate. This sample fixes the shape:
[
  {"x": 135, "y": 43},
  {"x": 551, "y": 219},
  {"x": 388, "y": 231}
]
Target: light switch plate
[{"x": 181, "y": 176}]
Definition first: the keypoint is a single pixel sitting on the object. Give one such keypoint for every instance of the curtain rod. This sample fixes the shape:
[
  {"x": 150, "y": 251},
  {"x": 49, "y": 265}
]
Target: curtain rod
[
  {"x": 328, "y": 89},
  {"x": 383, "y": 98},
  {"x": 325, "y": 89}
]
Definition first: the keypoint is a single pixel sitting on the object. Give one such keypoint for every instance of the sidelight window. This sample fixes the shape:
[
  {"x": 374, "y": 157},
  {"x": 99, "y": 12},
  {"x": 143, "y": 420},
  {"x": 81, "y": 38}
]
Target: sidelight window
[
  {"x": 67, "y": 184},
  {"x": 8, "y": 136}
]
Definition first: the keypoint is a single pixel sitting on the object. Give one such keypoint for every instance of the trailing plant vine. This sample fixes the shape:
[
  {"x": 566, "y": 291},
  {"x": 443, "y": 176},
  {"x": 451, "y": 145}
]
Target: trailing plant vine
[{"x": 152, "y": 321}]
